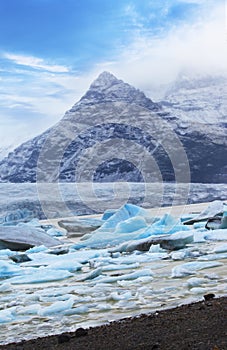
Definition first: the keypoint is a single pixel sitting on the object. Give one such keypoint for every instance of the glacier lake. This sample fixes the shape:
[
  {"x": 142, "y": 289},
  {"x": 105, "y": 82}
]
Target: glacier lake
[{"x": 95, "y": 280}]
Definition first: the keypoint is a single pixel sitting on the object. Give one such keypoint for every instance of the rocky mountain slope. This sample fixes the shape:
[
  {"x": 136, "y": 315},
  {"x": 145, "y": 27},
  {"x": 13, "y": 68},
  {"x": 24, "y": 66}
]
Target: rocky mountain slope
[{"x": 116, "y": 133}]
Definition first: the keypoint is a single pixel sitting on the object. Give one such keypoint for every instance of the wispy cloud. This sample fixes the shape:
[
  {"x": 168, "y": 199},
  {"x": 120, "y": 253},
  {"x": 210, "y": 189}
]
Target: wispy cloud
[{"x": 35, "y": 62}]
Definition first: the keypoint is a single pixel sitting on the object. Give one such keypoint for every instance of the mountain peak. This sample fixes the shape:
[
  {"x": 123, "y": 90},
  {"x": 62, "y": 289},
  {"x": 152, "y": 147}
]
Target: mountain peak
[
  {"x": 104, "y": 80},
  {"x": 107, "y": 88}
]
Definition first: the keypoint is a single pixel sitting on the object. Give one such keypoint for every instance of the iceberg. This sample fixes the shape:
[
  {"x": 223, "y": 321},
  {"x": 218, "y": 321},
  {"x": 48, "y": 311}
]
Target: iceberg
[
  {"x": 126, "y": 212},
  {"x": 195, "y": 282},
  {"x": 91, "y": 275},
  {"x": 213, "y": 209},
  {"x": 78, "y": 227},
  {"x": 166, "y": 225},
  {"x": 198, "y": 290},
  {"x": 217, "y": 235},
  {"x": 56, "y": 308},
  {"x": 121, "y": 229},
  {"x": 108, "y": 213},
  {"x": 41, "y": 275},
  {"x": 7, "y": 315},
  {"x": 25, "y": 237},
  {"x": 220, "y": 248},
  {"x": 8, "y": 269},
  {"x": 53, "y": 232},
  {"x": 170, "y": 242},
  {"x": 192, "y": 267},
  {"x": 29, "y": 310},
  {"x": 129, "y": 276}
]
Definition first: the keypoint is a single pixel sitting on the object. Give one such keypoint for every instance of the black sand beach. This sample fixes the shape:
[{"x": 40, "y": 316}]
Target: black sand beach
[{"x": 197, "y": 326}]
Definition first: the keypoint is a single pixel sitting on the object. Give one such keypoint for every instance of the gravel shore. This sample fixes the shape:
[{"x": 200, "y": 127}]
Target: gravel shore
[{"x": 197, "y": 326}]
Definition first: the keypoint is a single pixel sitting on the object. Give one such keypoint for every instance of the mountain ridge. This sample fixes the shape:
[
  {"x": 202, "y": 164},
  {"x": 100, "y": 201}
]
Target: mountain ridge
[{"x": 112, "y": 99}]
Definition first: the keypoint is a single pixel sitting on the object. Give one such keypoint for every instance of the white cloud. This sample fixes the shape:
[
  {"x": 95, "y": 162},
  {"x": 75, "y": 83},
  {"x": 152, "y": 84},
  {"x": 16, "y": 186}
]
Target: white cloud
[
  {"x": 146, "y": 63},
  {"x": 35, "y": 62},
  {"x": 199, "y": 47}
]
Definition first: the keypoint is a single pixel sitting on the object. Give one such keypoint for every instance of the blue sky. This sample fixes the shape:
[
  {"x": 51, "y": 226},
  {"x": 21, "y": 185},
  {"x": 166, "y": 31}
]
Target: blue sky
[{"x": 51, "y": 50}]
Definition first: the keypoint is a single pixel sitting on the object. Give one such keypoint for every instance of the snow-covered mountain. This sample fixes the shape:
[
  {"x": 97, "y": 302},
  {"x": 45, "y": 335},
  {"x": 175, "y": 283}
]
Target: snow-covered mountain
[
  {"x": 114, "y": 114},
  {"x": 199, "y": 102}
]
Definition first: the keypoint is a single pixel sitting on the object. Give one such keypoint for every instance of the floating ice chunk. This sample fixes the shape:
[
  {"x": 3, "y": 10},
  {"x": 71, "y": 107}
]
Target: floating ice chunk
[
  {"x": 113, "y": 267},
  {"x": 5, "y": 287},
  {"x": 103, "y": 307},
  {"x": 57, "y": 307},
  {"x": 127, "y": 211},
  {"x": 129, "y": 276},
  {"x": 191, "y": 268},
  {"x": 83, "y": 309},
  {"x": 172, "y": 241},
  {"x": 54, "y": 232},
  {"x": 210, "y": 257},
  {"x": 217, "y": 235},
  {"x": 124, "y": 231},
  {"x": 199, "y": 237},
  {"x": 199, "y": 225},
  {"x": 126, "y": 225},
  {"x": 71, "y": 260},
  {"x": 218, "y": 221},
  {"x": 41, "y": 275},
  {"x": 70, "y": 265},
  {"x": 108, "y": 213},
  {"x": 7, "y": 315},
  {"x": 37, "y": 249},
  {"x": 195, "y": 282},
  {"x": 91, "y": 275},
  {"x": 77, "y": 227},
  {"x": 220, "y": 248},
  {"x": 5, "y": 253},
  {"x": 198, "y": 290},
  {"x": 178, "y": 255},
  {"x": 123, "y": 296},
  {"x": 156, "y": 248},
  {"x": 8, "y": 269},
  {"x": 105, "y": 239},
  {"x": 139, "y": 281},
  {"x": 28, "y": 310},
  {"x": 166, "y": 225},
  {"x": 214, "y": 208},
  {"x": 178, "y": 240},
  {"x": 24, "y": 237},
  {"x": 134, "y": 258},
  {"x": 212, "y": 276},
  {"x": 124, "y": 304},
  {"x": 52, "y": 298},
  {"x": 131, "y": 225}
]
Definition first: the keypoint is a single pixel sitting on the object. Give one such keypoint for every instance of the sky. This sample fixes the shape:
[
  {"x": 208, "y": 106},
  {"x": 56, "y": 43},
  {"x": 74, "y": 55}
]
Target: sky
[{"x": 52, "y": 50}]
